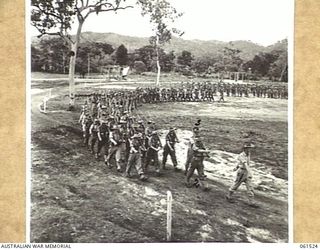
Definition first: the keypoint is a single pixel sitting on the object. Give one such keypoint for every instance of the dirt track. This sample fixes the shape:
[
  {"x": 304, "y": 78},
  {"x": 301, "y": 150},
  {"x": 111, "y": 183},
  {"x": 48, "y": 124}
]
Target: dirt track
[{"x": 76, "y": 199}]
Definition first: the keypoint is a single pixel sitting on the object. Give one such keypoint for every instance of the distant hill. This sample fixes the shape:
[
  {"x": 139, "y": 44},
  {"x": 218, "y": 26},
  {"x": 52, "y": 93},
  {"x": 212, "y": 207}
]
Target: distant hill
[{"x": 198, "y": 48}]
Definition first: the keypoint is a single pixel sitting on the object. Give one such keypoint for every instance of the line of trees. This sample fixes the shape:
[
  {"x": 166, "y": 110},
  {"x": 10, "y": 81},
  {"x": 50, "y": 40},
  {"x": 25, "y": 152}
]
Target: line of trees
[
  {"x": 52, "y": 55},
  {"x": 56, "y": 18}
]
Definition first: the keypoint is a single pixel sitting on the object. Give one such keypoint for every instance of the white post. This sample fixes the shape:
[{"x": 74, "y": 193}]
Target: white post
[
  {"x": 44, "y": 105},
  {"x": 169, "y": 215}
]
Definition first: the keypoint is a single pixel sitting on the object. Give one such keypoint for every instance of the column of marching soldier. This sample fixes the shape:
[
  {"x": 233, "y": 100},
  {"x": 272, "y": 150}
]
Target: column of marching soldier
[{"x": 110, "y": 130}]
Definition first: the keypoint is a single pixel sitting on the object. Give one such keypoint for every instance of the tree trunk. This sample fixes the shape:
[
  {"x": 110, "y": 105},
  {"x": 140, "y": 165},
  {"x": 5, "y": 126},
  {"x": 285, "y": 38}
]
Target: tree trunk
[
  {"x": 158, "y": 63},
  {"x": 282, "y": 73},
  {"x": 72, "y": 67}
]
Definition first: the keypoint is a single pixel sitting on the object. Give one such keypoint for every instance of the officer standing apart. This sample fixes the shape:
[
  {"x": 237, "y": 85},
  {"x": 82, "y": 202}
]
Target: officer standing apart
[
  {"x": 244, "y": 174},
  {"x": 171, "y": 139}
]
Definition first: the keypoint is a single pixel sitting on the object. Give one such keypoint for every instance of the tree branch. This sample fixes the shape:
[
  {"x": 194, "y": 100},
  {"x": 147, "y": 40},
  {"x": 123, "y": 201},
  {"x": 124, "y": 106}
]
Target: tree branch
[
  {"x": 105, "y": 10},
  {"x": 47, "y": 13},
  {"x": 100, "y": 5}
]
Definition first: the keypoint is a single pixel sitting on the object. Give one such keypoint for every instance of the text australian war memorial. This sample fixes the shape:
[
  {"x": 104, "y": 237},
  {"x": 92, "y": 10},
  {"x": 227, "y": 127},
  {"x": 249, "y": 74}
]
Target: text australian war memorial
[{"x": 154, "y": 139}]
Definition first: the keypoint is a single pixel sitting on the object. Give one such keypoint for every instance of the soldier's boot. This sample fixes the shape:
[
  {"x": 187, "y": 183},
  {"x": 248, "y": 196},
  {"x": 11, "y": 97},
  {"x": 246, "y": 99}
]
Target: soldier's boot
[
  {"x": 119, "y": 169},
  {"x": 92, "y": 149},
  {"x": 158, "y": 173},
  {"x": 105, "y": 159},
  {"x": 163, "y": 166},
  {"x": 228, "y": 196},
  {"x": 143, "y": 177},
  {"x": 127, "y": 174},
  {"x": 251, "y": 200},
  {"x": 197, "y": 183},
  {"x": 107, "y": 162},
  {"x": 186, "y": 169},
  {"x": 189, "y": 184}
]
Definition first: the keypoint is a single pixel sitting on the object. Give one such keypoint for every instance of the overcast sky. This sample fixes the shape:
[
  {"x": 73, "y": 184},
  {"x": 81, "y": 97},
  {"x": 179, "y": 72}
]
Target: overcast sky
[{"x": 261, "y": 21}]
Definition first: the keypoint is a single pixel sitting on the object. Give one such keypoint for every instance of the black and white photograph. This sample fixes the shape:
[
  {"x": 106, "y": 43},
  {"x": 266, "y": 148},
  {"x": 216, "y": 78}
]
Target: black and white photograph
[{"x": 159, "y": 121}]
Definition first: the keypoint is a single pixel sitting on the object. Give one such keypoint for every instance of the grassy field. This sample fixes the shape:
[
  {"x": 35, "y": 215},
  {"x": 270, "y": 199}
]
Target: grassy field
[
  {"x": 75, "y": 198},
  {"x": 148, "y": 76}
]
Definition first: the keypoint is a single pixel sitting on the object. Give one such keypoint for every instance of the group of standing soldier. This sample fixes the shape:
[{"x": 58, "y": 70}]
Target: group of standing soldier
[{"x": 189, "y": 92}]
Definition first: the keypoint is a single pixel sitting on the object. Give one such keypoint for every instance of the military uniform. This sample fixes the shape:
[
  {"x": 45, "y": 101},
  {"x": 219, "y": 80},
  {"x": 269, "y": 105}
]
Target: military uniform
[
  {"x": 93, "y": 131},
  {"x": 196, "y": 133},
  {"x": 135, "y": 157},
  {"x": 86, "y": 124},
  {"x": 116, "y": 147},
  {"x": 103, "y": 143},
  {"x": 244, "y": 174},
  {"x": 154, "y": 145},
  {"x": 199, "y": 153},
  {"x": 171, "y": 139}
]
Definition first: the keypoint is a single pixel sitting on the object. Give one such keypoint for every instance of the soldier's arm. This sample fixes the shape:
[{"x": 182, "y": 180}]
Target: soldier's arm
[
  {"x": 176, "y": 137},
  {"x": 236, "y": 168},
  {"x": 99, "y": 134},
  {"x": 160, "y": 144},
  {"x": 168, "y": 142},
  {"x": 197, "y": 149},
  {"x": 156, "y": 149},
  {"x": 132, "y": 147},
  {"x": 81, "y": 117},
  {"x": 143, "y": 148},
  {"x": 112, "y": 140},
  {"x": 150, "y": 145},
  {"x": 83, "y": 127},
  {"x": 169, "y": 145},
  {"x": 241, "y": 162},
  {"x": 90, "y": 129}
]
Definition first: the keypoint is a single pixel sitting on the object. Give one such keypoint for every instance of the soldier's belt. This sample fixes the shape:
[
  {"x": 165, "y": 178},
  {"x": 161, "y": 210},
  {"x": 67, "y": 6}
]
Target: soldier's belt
[{"x": 198, "y": 156}]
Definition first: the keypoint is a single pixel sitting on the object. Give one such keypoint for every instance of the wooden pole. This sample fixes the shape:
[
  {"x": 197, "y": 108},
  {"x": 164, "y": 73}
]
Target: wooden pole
[
  {"x": 169, "y": 215},
  {"x": 44, "y": 105}
]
